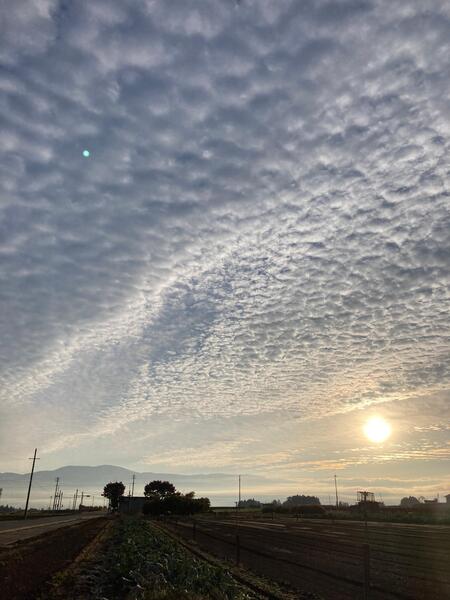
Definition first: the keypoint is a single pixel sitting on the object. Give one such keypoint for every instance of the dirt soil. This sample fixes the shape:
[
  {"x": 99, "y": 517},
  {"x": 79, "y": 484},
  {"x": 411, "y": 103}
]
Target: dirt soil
[
  {"x": 88, "y": 577},
  {"x": 406, "y": 563},
  {"x": 26, "y": 567}
]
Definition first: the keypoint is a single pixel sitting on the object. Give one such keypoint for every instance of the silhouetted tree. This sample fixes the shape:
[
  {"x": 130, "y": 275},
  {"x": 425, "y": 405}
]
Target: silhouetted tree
[
  {"x": 408, "y": 502},
  {"x": 176, "y": 504},
  {"x": 301, "y": 500},
  {"x": 159, "y": 489},
  {"x": 113, "y": 491},
  {"x": 250, "y": 503}
]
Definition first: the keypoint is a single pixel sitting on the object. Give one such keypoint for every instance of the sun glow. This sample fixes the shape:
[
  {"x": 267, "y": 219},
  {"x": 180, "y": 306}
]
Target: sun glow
[{"x": 377, "y": 430}]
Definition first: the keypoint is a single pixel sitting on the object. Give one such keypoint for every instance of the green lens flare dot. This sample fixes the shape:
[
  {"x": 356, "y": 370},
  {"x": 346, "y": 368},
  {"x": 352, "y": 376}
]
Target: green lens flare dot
[{"x": 86, "y": 153}]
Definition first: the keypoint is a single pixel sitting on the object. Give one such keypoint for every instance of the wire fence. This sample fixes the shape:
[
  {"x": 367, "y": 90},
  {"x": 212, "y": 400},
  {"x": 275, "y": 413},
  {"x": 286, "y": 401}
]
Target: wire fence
[
  {"x": 298, "y": 560},
  {"x": 336, "y": 561}
]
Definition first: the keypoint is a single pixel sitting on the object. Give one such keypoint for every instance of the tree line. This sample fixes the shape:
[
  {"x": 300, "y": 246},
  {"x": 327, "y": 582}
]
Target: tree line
[
  {"x": 162, "y": 498},
  {"x": 298, "y": 500}
]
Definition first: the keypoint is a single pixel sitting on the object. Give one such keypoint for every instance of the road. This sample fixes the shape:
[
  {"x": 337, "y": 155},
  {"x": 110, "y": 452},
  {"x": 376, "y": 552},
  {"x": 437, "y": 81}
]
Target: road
[
  {"x": 406, "y": 561},
  {"x": 13, "y": 531}
]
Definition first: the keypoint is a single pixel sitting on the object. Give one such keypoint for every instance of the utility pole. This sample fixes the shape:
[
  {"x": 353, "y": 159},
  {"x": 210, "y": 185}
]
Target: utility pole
[
  {"x": 132, "y": 485},
  {"x": 335, "y": 487},
  {"x": 83, "y": 495},
  {"x": 56, "y": 493},
  {"x": 238, "y": 503},
  {"x": 29, "y": 485}
]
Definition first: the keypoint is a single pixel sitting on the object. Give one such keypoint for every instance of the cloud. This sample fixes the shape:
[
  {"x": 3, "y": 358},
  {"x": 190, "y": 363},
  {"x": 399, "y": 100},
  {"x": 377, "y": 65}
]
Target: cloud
[{"x": 262, "y": 225}]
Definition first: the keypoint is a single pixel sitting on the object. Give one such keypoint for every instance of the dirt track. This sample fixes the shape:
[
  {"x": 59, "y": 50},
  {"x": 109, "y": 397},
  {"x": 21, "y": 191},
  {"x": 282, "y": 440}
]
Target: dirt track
[
  {"x": 406, "y": 562},
  {"x": 28, "y": 565}
]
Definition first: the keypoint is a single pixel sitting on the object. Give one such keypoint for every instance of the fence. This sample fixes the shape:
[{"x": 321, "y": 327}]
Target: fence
[{"x": 343, "y": 567}]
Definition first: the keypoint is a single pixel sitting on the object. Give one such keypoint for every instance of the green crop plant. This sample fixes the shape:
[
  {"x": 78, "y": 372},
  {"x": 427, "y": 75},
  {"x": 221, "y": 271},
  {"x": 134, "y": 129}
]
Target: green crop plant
[{"x": 149, "y": 565}]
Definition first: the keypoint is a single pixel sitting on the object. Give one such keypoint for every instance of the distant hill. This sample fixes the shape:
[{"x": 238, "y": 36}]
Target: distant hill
[
  {"x": 92, "y": 480},
  {"x": 81, "y": 475}
]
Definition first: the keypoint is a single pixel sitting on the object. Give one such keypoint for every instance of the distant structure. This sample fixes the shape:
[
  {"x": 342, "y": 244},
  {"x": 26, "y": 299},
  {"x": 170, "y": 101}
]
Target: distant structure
[
  {"x": 132, "y": 504},
  {"x": 447, "y": 498},
  {"x": 366, "y": 501},
  {"x": 363, "y": 497}
]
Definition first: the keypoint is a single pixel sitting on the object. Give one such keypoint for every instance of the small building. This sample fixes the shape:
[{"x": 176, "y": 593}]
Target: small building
[
  {"x": 132, "y": 505},
  {"x": 447, "y": 498}
]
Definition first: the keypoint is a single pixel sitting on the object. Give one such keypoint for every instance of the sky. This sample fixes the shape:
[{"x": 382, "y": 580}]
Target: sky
[{"x": 225, "y": 239}]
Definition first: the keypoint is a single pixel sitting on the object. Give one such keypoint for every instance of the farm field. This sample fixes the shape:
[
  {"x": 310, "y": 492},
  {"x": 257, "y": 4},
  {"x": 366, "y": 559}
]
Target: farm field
[
  {"x": 406, "y": 562},
  {"x": 118, "y": 559},
  {"x": 27, "y": 565},
  {"x": 12, "y": 531},
  {"x": 137, "y": 560}
]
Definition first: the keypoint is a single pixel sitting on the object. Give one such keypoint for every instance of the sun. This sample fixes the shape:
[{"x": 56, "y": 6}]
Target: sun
[{"x": 377, "y": 430}]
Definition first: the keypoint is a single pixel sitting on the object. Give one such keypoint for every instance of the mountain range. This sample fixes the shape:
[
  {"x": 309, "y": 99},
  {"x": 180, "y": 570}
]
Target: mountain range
[{"x": 220, "y": 487}]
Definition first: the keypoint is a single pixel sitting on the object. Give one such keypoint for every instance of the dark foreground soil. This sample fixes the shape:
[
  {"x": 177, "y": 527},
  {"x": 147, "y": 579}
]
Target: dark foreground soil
[
  {"x": 26, "y": 567},
  {"x": 127, "y": 560},
  {"x": 404, "y": 563}
]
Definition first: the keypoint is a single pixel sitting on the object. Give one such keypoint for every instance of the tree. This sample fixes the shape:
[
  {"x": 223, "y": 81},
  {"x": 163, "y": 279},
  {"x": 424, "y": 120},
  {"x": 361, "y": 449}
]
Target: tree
[
  {"x": 409, "y": 502},
  {"x": 250, "y": 503},
  {"x": 159, "y": 489},
  {"x": 176, "y": 504},
  {"x": 301, "y": 500},
  {"x": 113, "y": 491}
]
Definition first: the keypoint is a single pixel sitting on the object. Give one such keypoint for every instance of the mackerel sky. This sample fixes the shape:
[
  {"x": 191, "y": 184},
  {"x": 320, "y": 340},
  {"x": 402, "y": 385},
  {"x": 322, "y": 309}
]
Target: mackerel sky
[{"x": 253, "y": 258}]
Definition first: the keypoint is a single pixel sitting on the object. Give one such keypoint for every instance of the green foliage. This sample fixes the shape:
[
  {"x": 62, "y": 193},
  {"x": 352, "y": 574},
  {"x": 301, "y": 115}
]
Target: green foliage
[{"x": 148, "y": 565}]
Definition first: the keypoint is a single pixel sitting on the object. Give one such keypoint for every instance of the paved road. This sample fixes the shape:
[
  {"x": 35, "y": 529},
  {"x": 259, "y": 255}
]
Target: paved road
[{"x": 13, "y": 531}]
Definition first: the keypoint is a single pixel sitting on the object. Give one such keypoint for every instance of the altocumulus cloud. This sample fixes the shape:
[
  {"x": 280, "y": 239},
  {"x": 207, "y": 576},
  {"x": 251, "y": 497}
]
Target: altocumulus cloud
[{"x": 262, "y": 223}]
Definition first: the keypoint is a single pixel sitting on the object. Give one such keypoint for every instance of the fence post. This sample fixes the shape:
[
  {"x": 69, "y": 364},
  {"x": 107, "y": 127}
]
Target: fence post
[
  {"x": 366, "y": 552},
  {"x": 238, "y": 550},
  {"x": 194, "y": 530}
]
